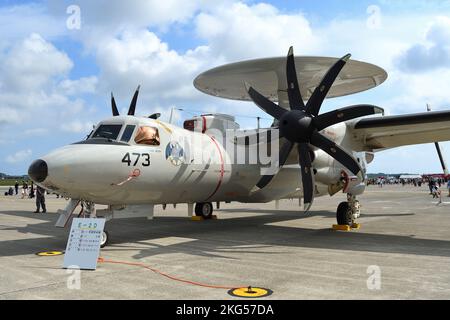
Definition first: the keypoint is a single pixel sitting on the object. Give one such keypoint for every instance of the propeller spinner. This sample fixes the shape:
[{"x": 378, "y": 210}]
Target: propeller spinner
[{"x": 301, "y": 124}]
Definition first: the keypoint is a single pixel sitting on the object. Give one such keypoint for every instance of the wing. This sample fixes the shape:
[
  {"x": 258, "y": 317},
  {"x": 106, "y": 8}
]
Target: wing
[{"x": 375, "y": 134}]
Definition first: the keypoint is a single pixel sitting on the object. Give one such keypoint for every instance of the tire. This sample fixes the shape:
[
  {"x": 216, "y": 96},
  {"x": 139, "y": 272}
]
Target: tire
[
  {"x": 343, "y": 214},
  {"x": 204, "y": 210},
  {"x": 105, "y": 239}
]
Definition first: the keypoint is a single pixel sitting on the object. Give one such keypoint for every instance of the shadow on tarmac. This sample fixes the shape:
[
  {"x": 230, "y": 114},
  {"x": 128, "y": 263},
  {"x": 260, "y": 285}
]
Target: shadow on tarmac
[{"x": 216, "y": 237}]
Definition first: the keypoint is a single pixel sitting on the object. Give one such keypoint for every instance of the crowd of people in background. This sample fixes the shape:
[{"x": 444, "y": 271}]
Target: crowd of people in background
[
  {"x": 435, "y": 185},
  {"x": 396, "y": 181},
  {"x": 29, "y": 191}
]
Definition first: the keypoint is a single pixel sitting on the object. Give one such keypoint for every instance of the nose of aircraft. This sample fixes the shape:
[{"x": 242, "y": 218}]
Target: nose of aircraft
[{"x": 38, "y": 171}]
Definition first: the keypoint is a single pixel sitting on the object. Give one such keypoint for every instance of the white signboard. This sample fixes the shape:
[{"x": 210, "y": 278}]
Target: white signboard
[{"x": 83, "y": 245}]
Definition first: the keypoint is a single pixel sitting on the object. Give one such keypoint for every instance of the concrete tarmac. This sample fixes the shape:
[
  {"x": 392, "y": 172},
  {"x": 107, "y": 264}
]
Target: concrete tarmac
[{"x": 402, "y": 251}]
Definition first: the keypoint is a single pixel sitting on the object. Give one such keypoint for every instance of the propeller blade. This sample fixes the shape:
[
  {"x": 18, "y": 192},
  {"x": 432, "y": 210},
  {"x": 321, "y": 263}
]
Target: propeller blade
[
  {"x": 340, "y": 115},
  {"x": 336, "y": 152},
  {"x": 304, "y": 159},
  {"x": 264, "y": 103},
  {"x": 132, "y": 108},
  {"x": 295, "y": 97},
  {"x": 115, "y": 111},
  {"x": 284, "y": 153},
  {"x": 319, "y": 94}
]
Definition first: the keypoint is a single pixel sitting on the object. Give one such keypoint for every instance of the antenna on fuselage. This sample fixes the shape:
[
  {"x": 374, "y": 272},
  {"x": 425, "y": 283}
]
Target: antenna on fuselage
[{"x": 171, "y": 115}]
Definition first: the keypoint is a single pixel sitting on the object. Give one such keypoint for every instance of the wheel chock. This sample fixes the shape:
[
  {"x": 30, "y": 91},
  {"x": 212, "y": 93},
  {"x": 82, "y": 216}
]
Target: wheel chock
[
  {"x": 198, "y": 218},
  {"x": 339, "y": 227},
  {"x": 345, "y": 227}
]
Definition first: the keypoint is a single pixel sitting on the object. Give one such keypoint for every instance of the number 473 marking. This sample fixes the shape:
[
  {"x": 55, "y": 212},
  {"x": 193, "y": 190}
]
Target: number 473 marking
[{"x": 127, "y": 159}]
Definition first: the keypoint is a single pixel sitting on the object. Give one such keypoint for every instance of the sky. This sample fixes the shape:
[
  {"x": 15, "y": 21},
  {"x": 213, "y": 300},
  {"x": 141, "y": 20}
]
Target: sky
[{"x": 59, "y": 61}]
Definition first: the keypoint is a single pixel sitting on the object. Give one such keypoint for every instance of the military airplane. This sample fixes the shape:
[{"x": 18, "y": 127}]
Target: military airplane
[{"x": 130, "y": 164}]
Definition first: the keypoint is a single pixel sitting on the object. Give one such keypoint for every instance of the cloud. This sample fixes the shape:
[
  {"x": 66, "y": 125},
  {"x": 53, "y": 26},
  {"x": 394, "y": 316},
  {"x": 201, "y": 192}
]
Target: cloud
[
  {"x": 32, "y": 64},
  {"x": 9, "y": 116},
  {"x": 433, "y": 53},
  {"x": 36, "y": 132},
  {"x": 241, "y": 31},
  {"x": 19, "y": 156},
  {"x": 415, "y": 90},
  {"x": 134, "y": 55},
  {"x": 77, "y": 127},
  {"x": 140, "y": 57},
  {"x": 35, "y": 88},
  {"x": 17, "y": 21},
  {"x": 105, "y": 18},
  {"x": 78, "y": 87}
]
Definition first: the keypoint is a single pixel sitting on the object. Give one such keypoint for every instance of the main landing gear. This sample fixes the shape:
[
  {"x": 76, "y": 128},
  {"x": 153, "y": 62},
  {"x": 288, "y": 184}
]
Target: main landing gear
[
  {"x": 347, "y": 212},
  {"x": 204, "y": 210}
]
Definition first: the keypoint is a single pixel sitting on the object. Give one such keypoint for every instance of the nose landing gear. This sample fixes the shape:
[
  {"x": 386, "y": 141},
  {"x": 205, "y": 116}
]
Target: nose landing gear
[{"x": 89, "y": 211}]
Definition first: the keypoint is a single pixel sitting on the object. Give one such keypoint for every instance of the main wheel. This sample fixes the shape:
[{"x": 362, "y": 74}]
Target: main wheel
[
  {"x": 344, "y": 214},
  {"x": 105, "y": 239},
  {"x": 204, "y": 210}
]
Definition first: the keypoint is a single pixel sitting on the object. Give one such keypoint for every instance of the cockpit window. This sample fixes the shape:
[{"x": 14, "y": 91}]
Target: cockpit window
[
  {"x": 127, "y": 133},
  {"x": 108, "y": 131},
  {"x": 148, "y": 136}
]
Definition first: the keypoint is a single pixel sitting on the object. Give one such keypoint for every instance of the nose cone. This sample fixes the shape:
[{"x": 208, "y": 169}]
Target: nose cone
[{"x": 38, "y": 171}]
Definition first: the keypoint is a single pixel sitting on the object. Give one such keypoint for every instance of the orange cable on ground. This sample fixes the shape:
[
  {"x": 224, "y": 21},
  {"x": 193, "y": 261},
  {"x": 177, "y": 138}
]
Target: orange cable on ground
[{"x": 136, "y": 264}]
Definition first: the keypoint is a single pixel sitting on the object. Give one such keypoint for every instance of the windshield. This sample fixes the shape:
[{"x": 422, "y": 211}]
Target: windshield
[
  {"x": 127, "y": 133},
  {"x": 108, "y": 131}
]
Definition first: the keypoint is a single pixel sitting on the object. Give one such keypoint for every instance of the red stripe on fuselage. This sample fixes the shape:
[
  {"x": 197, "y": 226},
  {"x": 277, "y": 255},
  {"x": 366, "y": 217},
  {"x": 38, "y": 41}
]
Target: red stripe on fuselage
[{"x": 203, "y": 124}]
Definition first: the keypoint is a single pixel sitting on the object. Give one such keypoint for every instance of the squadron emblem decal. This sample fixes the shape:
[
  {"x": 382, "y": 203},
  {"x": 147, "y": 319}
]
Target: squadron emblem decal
[{"x": 175, "y": 153}]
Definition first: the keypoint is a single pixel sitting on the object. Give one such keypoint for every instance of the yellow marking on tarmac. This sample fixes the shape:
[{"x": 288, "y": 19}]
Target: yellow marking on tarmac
[
  {"x": 49, "y": 253},
  {"x": 346, "y": 227},
  {"x": 250, "y": 292}
]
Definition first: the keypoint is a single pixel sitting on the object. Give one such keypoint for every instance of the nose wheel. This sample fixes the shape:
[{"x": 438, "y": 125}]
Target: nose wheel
[
  {"x": 204, "y": 210},
  {"x": 105, "y": 239}
]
